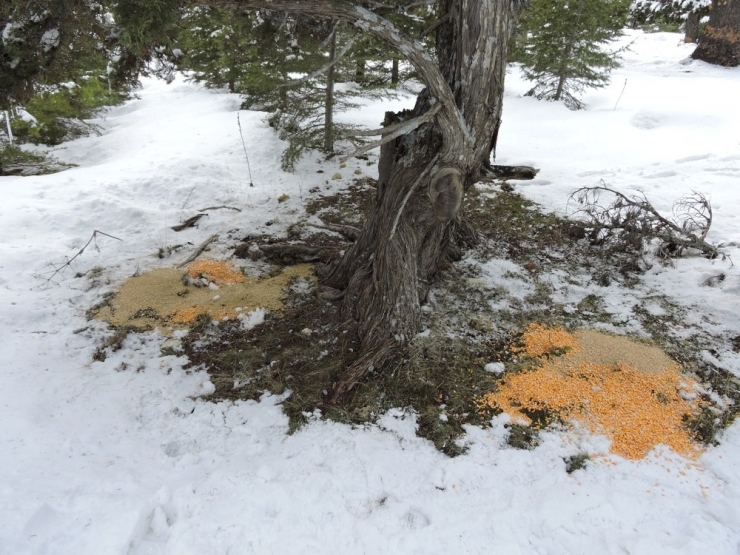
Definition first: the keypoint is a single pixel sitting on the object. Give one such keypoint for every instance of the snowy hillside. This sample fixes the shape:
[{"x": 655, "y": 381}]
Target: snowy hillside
[{"x": 128, "y": 456}]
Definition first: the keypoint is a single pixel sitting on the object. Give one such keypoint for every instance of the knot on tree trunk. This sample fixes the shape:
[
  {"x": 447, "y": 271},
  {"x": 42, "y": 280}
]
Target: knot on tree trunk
[{"x": 446, "y": 193}]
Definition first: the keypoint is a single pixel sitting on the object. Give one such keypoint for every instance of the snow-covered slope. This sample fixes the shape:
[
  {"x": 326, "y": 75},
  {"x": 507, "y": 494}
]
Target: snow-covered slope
[{"x": 124, "y": 456}]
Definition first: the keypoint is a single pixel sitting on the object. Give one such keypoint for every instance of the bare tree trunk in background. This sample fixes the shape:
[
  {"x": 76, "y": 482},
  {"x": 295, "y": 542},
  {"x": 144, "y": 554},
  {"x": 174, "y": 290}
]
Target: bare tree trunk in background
[
  {"x": 692, "y": 27},
  {"x": 360, "y": 72},
  {"x": 565, "y": 60},
  {"x": 329, "y": 108},
  {"x": 394, "y": 71},
  {"x": 720, "y": 42}
]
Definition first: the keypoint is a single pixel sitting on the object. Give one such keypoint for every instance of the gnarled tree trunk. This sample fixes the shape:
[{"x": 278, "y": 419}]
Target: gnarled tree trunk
[
  {"x": 720, "y": 42},
  {"x": 417, "y": 225}
]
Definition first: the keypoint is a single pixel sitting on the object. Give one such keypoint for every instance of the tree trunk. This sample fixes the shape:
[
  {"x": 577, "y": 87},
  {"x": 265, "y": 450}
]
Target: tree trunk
[
  {"x": 360, "y": 72},
  {"x": 692, "y": 27},
  {"x": 416, "y": 227},
  {"x": 394, "y": 71},
  {"x": 329, "y": 108},
  {"x": 720, "y": 42},
  {"x": 563, "y": 73}
]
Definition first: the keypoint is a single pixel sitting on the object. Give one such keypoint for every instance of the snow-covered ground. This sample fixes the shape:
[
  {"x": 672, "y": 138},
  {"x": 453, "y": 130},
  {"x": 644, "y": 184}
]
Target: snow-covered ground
[{"x": 125, "y": 456}]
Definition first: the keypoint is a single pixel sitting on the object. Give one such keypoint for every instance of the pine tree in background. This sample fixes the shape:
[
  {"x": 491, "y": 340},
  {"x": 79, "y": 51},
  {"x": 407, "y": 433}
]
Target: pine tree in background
[
  {"x": 223, "y": 48},
  {"x": 562, "y": 46},
  {"x": 53, "y": 67},
  {"x": 670, "y": 15},
  {"x": 268, "y": 58},
  {"x": 62, "y": 60}
]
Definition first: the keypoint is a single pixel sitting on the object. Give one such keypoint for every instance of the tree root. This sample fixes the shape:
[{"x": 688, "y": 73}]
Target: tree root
[
  {"x": 297, "y": 253},
  {"x": 370, "y": 359},
  {"x": 349, "y": 232}
]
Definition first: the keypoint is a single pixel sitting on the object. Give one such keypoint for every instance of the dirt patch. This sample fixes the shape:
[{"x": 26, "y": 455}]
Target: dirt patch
[
  {"x": 170, "y": 299},
  {"x": 629, "y": 391}
]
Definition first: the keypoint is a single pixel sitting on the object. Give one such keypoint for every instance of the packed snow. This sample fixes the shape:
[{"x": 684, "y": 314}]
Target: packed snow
[{"x": 128, "y": 456}]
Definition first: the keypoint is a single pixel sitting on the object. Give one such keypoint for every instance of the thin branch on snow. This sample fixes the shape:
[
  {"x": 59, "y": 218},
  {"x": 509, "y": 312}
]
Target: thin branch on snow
[
  {"x": 198, "y": 251},
  {"x": 61, "y": 268}
]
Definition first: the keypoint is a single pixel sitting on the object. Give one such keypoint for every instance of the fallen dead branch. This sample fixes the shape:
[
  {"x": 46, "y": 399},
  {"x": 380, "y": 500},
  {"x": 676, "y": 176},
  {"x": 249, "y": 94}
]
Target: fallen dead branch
[
  {"x": 222, "y": 207},
  {"x": 285, "y": 252},
  {"x": 631, "y": 223},
  {"x": 203, "y": 246},
  {"x": 190, "y": 222}
]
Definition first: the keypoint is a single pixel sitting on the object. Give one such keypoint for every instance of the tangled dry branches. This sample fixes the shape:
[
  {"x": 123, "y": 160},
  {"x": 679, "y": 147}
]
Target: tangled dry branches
[{"x": 631, "y": 223}]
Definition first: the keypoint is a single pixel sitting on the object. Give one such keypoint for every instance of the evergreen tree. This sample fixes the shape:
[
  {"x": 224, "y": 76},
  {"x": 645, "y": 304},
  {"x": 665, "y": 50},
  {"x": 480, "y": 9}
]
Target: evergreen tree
[
  {"x": 561, "y": 46},
  {"x": 271, "y": 59},
  {"x": 678, "y": 13},
  {"x": 60, "y": 60}
]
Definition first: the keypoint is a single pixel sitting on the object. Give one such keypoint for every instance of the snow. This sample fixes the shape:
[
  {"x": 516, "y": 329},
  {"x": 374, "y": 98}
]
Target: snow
[{"x": 128, "y": 456}]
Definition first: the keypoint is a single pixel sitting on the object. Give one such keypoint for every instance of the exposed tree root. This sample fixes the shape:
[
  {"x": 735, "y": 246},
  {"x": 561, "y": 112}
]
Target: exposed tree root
[
  {"x": 297, "y": 253},
  {"x": 375, "y": 357},
  {"x": 349, "y": 232}
]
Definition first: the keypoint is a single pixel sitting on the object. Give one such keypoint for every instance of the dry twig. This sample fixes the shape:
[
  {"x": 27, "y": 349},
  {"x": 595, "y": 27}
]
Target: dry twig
[{"x": 60, "y": 269}]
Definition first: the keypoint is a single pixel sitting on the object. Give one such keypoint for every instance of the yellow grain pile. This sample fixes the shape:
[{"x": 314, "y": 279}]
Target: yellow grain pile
[
  {"x": 216, "y": 271},
  {"x": 539, "y": 340},
  {"x": 163, "y": 299},
  {"x": 636, "y": 409}
]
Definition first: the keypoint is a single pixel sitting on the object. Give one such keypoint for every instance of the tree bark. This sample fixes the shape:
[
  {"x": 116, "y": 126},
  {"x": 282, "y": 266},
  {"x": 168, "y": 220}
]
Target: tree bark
[
  {"x": 720, "y": 42},
  {"x": 360, "y": 72},
  {"x": 691, "y": 33}
]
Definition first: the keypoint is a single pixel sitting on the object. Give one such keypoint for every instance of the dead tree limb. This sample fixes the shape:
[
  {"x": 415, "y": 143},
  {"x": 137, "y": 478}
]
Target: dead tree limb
[
  {"x": 223, "y": 207},
  {"x": 399, "y": 129},
  {"x": 631, "y": 222},
  {"x": 497, "y": 173},
  {"x": 287, "y": 252},
  {"x": 203, "y": 246},
  {"x": 407, "y": 125},
  {"x": 190, "y": 222}
]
